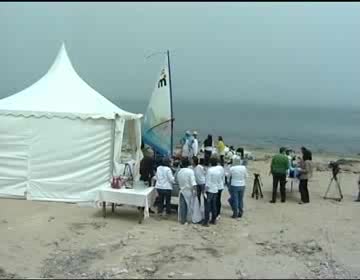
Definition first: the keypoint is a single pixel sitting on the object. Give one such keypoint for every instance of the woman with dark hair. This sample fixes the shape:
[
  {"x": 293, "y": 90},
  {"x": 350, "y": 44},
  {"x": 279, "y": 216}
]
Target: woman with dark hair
[
  {"x": 164, "y": 185},
  {"x": 305, "y": 171},
  {"x": 208, "y": 148},
  {"x": 305, "y": 150}
]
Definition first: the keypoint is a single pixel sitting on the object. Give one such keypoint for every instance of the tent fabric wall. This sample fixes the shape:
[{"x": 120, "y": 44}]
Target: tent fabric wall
[
  {"x": 56, "y": 159},
  {"x": 14, "y": 157},
  {"x": 59, "y": 138}
]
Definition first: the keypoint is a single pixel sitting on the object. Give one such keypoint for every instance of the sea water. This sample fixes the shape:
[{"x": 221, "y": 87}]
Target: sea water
[{"x": 322, "y": 129}]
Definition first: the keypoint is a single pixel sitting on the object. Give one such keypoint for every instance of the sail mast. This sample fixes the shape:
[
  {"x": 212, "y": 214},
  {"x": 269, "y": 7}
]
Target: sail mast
[{"x": 171, "y": 106}]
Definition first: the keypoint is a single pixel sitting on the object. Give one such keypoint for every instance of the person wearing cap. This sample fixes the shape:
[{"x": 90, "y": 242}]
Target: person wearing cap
[{"x": 195, "y": 145}]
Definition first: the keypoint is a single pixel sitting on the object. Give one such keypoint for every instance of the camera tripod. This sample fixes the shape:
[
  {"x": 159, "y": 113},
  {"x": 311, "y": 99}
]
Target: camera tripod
[
  {"x": 334, "y": 178},
  {"x": 257, "y": 187}
]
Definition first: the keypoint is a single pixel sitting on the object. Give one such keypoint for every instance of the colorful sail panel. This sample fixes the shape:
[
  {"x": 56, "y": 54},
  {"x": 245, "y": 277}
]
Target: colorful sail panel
[{"x": 157, "y": 120}]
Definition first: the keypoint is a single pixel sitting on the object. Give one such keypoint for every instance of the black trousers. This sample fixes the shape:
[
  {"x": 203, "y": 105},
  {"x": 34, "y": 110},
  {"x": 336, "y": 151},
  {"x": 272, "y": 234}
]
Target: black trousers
[
  {"x": 207, "y": 156},
  {"x": 164, "y": 196},
  {"x": 279, "y": 178},
  {"x": 199, "y": 190},
  {"x": 210, "y": 206},
  {"x": 222, "y": 161},
  {"x": 304, "y": 192},
  {"x": 218, "y": 203}
]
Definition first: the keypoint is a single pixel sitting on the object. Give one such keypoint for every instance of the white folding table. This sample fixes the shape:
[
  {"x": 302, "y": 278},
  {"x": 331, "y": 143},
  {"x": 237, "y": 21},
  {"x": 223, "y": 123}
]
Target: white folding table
[{"x": 140, "y": 197}]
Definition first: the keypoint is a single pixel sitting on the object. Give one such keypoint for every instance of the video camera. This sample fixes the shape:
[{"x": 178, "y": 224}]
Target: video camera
[{"x": 335, "y": 167}]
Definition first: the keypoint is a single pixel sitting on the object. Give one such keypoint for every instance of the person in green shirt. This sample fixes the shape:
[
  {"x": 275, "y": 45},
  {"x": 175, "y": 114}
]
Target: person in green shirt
[{"x": 278, "y": 169}]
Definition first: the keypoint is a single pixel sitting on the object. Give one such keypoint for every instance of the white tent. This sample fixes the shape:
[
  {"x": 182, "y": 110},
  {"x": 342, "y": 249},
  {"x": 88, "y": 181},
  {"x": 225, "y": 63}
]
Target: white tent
[{"x": 60, "y": 140}]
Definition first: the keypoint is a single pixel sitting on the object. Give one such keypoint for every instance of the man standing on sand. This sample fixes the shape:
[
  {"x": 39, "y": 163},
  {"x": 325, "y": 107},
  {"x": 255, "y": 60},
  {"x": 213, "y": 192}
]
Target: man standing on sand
[
  {"x": 195, "y": 144},
  {"x": 278, "y": 169},
  {"x": 187, "y": 195},
  {"x": 213, "y": 179},
  {"x": 187, "y": 145}
]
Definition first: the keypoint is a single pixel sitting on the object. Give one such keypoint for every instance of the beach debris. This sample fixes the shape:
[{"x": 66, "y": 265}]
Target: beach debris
[
  {"x": 240, "y": 274},
  {"x": 171, "y": 274},
  {"x": 131, "y": 236},
  {"x": 117, "y": 271},
  {"x": 312, "y": 245},
  {"x": 4, "y": 221},
  {"x": 7, "y": 275},
  {"x": 187, "y": 274},
  {"x": 150, "y": 269},
  {"x": 51, "y": 218}
]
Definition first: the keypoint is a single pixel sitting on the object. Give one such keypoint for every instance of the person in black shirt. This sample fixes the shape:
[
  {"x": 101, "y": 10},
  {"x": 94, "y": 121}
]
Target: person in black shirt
[
  {"x": 208, "y": 147},
  {"x": 147, "y": 168}
]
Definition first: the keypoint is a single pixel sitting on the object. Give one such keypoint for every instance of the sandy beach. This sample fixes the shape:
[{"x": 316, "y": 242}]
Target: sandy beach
[{"x": 318, "y": 240}]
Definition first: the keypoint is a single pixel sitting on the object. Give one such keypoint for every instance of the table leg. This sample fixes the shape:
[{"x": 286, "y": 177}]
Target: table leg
[
  {"x": 113, "y": 207},
  {"x": 141, "y": 214},
  {"x": 104, "y": 209}
]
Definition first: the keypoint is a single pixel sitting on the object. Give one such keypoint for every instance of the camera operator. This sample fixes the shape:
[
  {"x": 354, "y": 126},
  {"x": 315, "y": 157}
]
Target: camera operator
[{"x": 305, "y": 173}]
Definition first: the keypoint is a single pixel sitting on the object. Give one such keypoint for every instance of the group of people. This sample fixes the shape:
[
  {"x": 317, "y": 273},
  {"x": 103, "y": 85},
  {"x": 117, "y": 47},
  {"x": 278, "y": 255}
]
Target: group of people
[
  {"x": 201, "y": 181},
  {"x": 200, "y": 186},
  {"x": 190, "y": 147},
  {"x": 284, "y": 166}
]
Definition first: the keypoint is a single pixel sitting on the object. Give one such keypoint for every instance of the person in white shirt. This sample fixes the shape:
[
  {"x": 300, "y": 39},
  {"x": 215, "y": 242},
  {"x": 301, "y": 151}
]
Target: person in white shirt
[
  {"x": 200, "y": 173},
  {"x": 195, "y": 145},
  {"x": 214, "y": 179},
  {"x": 220, "y": 189},
  {"x": 187, "y": 184},
  {"x": 238, "y": 175},
  {"x": 164, "y": 185}
]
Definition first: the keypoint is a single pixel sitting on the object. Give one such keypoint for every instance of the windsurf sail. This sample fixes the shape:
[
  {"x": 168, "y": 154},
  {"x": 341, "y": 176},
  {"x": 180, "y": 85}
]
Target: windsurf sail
[{"x": 158, "y": 119}]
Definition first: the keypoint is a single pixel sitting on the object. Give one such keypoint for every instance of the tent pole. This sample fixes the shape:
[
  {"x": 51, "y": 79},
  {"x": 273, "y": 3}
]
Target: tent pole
[{"x": 113, "y": 126}]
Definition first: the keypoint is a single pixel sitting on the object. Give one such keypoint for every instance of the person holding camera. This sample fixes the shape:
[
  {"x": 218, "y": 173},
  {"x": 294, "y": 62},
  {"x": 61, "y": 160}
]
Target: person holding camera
[{"x": 305, "y": 173}]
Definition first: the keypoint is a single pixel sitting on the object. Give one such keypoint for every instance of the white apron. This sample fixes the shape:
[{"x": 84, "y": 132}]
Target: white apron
[{"x": 195, "y": 213}]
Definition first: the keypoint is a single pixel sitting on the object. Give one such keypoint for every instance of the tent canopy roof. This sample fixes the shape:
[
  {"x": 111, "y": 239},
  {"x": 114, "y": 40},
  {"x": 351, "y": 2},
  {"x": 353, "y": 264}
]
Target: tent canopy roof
[{"x": 62, "y": 92}]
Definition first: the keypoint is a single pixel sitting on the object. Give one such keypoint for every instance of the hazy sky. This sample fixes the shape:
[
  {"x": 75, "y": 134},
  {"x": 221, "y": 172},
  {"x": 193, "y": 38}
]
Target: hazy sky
[{"x": 265, "y": 52}]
